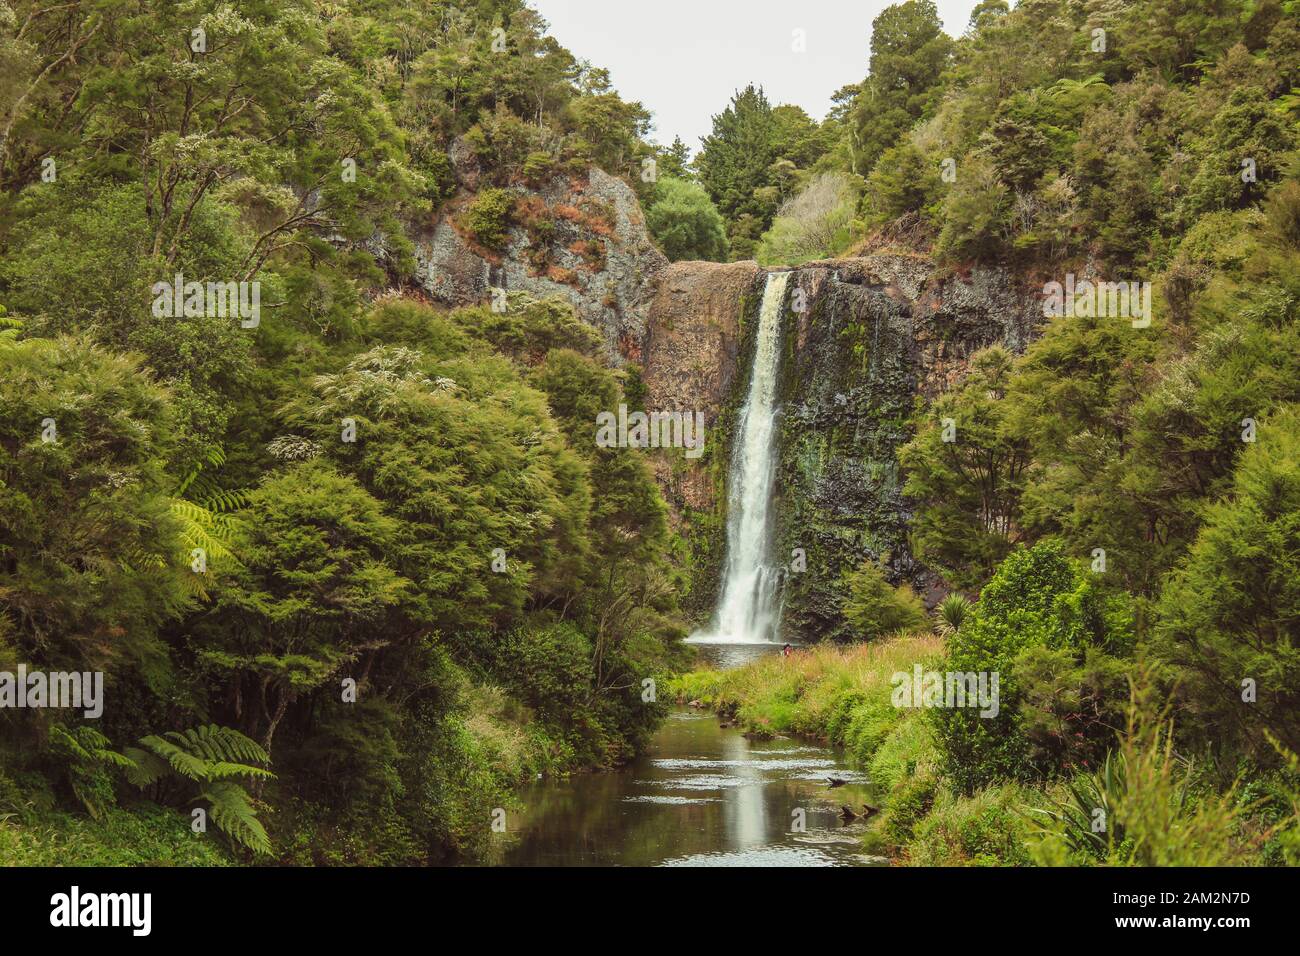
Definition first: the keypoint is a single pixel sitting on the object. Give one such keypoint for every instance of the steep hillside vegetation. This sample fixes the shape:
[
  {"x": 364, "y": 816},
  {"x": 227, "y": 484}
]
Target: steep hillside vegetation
[
  {"x": 351, "y": 567},
  {"x": 309, "y": 310}
]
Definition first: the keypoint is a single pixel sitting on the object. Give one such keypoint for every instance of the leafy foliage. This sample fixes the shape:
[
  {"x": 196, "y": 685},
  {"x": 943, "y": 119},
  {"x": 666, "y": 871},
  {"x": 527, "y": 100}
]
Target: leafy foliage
[
  {"x": 88, "y": 757},
  {"x": 199, "y": 529},
  {"x": 967, "y": 464},
  {"x": 909, "y": 51},
  {"x": 1229, "y": 612},
  {"x": 685, "y": 222},
  {"x": 953, "y": 611},
  {"x": 1038, "y": 600},
  {"x": 88, "y": 559},
  {"x": 488, "y": 217},
  {"x": 875, "y": 609}
]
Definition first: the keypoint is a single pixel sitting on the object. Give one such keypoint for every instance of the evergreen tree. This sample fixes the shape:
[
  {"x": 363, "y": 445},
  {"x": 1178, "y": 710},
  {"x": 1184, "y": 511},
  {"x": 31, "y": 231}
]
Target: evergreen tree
[{"x": 909, "y": 51}]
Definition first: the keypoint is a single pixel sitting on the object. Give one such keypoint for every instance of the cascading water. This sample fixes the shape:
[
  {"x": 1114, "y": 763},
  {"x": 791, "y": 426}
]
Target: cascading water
[{"x": 747, "y": 611}]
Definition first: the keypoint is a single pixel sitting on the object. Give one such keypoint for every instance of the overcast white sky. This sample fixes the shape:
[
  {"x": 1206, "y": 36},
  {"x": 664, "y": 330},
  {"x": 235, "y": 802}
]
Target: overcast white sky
[{"x": 684, "y": 58}]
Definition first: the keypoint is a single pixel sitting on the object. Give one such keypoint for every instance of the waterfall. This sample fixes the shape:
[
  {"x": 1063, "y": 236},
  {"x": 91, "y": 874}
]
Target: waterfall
[{"x": 747, "y": 611}]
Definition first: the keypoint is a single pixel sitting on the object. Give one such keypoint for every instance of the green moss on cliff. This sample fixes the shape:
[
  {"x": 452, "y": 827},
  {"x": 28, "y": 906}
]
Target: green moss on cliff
[{"x": 846, "y": 388}]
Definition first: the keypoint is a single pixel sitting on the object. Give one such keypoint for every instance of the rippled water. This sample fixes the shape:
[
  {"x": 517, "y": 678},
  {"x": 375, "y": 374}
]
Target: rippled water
[
  {"x": 725, "y": 655},
  {"x": 702, "y": 795}
]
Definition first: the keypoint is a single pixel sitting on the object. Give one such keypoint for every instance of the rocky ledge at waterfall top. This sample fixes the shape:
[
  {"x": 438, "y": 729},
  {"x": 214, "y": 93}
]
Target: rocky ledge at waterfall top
[
  {"x": 931, "y": 322},
  {"x": 594, "y": 251}
]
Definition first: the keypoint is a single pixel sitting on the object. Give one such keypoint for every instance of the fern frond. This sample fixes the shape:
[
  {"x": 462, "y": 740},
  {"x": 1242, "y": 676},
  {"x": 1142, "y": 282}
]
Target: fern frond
[
  {"x": 214, "y": 757},
  {"x": 178, "y": 758},
  {"x": 85, "y": 743},
  {"x": 239, "y": 747},
  {"x": 223, "y": 770},
  {"x": 146, "y": 768},
  {"x": 220, "y": 503},
  {"x": 63, "y": 742},
  {"x": 232, "y": 811},
  {"x": 216, "y": 743},
  {"x": 9, "y": 329}
]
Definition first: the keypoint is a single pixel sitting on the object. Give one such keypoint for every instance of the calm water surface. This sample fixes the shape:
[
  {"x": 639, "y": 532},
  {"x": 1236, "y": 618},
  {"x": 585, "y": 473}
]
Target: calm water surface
[{"x": 701, "y": 795}]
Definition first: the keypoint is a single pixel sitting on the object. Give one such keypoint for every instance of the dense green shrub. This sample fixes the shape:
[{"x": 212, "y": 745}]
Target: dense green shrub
[
  {"x": 965, "y": 466},
  {"x": 874, "y": 608},
  {"x": 1240, "y": 153},
  {"x": 1230, "y": 612},
  {"x": 529, "y": 329},
  {"x": 984, "y": 829},
  {"x": 1284, "y": 212},
  {"x": 487, "y": 218},
  {"x": 537, "y": 166},
  {"x": 685, "y": 222},
  {"x": 976, "y": 212},
  {"x": 905, "y": 181},
  {"x": 909, "y": 802},
  {"x": 1039, "y": 598},
  {"x": 90, "y": 558}
]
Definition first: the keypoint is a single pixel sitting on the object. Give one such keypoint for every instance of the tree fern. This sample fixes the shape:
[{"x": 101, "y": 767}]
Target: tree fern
[
  {"x": 215, "y": 758},
  {"x": 1065, "y": 87},
  {"x": 205, "y": 514}
]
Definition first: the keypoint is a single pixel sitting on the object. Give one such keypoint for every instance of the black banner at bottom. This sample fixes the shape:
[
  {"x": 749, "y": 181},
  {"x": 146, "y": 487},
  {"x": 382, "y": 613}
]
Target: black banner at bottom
[{"x": 342, "y": 905}]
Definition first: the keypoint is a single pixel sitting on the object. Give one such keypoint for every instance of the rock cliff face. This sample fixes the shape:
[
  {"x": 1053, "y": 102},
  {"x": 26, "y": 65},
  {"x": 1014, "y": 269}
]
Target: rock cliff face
[
  {"x": 862, "y": 340},
  {"x": 582, "y": 239},
  {"x": 865, "y": 339},
  {"x": 689, "y": 358}
]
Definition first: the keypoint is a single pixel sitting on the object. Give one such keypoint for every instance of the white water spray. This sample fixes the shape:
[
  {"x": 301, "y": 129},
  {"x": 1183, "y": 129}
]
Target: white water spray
[{"x": 747, "y": 610}]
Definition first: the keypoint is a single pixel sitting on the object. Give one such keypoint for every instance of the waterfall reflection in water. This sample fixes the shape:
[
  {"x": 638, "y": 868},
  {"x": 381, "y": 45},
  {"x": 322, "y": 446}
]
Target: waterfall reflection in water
[{"x": 701, "y": 795}]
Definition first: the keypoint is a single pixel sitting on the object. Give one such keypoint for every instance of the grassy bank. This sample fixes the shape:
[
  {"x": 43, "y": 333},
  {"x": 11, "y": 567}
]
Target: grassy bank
[{"x": 1162, "y": 811}]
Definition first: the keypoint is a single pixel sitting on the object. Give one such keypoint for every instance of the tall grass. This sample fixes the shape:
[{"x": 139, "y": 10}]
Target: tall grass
[
  {"x": 1144, "y": 807},
  {"x": 836, "y": 693}
]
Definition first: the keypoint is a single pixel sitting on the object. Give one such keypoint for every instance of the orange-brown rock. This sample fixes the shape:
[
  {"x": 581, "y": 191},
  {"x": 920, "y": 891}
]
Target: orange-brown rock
[{"x": 692, "y": 334}]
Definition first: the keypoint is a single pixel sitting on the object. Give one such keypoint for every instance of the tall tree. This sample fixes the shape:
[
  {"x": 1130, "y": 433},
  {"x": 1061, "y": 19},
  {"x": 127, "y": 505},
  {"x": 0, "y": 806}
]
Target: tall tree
[
  {"x": 734, "y": 158},
  {"x": 909, "y": 51}
]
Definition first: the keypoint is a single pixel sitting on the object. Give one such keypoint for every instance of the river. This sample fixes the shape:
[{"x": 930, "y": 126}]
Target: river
[{"x": 701, "y": 795}]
